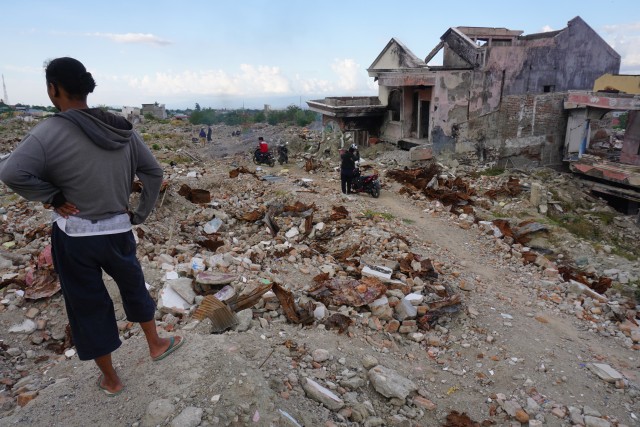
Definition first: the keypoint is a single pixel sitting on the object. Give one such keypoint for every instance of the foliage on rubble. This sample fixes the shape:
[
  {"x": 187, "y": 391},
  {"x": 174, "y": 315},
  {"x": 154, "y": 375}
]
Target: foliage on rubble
[
  {"x": 151, "y": 118},
  {"x": 181, "y": 159},
  {"x": 494, "y": 171},
  {"x": 369, "y": 214},
  {"x": 605, "y": 217},
  {"x": 623, "y": 250},
  {"x": 578, "y": 226}
]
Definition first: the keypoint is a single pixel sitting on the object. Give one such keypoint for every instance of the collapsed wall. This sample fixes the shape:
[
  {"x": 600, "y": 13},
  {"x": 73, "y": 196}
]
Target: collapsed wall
[{"x": 525, "y": 130}]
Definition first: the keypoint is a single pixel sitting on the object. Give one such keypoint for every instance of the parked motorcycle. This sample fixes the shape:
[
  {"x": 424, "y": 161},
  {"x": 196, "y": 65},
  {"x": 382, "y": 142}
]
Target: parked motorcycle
[
  {"x": 365, "y": 184},
  {"x": 263, "y": 158},
  {"x": 283, "y": 153}
]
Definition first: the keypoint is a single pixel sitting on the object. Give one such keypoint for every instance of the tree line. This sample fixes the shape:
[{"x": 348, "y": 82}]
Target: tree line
[{"x": 292, "y": 115}]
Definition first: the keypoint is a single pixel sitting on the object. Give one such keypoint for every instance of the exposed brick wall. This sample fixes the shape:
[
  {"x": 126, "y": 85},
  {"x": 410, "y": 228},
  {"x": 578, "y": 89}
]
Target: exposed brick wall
[{"x": 530, "y": 127}]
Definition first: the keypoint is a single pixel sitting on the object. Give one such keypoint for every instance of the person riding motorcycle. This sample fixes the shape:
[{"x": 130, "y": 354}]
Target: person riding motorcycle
[
  {"x": 348, "y": 167},
  {"x": 263, "y": 146}
]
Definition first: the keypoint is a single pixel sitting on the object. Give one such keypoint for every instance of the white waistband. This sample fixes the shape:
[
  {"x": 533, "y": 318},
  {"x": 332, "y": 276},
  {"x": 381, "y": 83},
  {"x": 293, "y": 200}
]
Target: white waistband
[{"x": 77, "y": 227}]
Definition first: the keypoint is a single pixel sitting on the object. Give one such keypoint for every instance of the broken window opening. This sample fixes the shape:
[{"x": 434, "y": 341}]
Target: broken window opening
[
  {"x": 549, "y": 88},
  {"x": 395, "y": 102}
]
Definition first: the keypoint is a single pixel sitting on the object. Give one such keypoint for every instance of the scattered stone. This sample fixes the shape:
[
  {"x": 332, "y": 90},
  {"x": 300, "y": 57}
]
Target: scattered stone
[
  {"x": 321, "y": 394},
  {"x": 184, "y": 288},
  {"x": 320, "y": 355},
  {"x": 189, "y": 417},
  {"x": 171, "y": 302},
  {"x": 26, "y": 397},
  {"x": 244, "y": 320},
  {"x": 559, "y": 412},
  {"x": 605, "y": 372},
  {"x": 590, "y": 421},
  {"x": 575, "y": 414},
  {"x": 424, "y": 403},
  {"x": 353, "y": 383},
  {"x": 157, "y": 412},
  {"x": 32, "y": 313},
  {"x": 369, "y": 361},
  {"x": 405, "y": 310},
  {"x": 587, "y": 410},
  {"x": 389, "y": 383},
  {"x": 26, "y": 327}
]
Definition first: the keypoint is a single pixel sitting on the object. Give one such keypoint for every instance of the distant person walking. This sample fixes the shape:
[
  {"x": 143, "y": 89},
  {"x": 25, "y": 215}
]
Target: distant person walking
[
  {"x": 203, "y": 137},
  {"x": 82, "y": 163},
  {"x": 209, "y": 132}
]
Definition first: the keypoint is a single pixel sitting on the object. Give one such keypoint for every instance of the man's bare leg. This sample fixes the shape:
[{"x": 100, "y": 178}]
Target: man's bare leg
[
  {"x": 110, "y": 381},
  {"x": 157, "y": 345}
]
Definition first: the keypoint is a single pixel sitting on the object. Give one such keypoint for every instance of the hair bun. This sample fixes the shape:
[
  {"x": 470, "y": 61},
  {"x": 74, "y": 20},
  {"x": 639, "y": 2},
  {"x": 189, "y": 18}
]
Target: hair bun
[{"x": 87, "y": 81}]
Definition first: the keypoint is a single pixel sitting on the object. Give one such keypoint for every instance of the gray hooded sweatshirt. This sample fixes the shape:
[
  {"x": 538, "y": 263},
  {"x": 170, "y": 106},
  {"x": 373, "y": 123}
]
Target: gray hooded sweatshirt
[{"x": 88, "y": 158}]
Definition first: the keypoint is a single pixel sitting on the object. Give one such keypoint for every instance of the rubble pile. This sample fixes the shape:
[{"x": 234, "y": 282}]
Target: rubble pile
[{"x": 344, "y": 316}]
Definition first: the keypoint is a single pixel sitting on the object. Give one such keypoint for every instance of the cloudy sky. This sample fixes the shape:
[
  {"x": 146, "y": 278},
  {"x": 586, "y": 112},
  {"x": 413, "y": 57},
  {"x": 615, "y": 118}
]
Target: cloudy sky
[{"x": 251, "y": 52}]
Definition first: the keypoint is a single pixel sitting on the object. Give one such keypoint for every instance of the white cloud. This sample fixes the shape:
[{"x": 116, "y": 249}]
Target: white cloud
[
  {"x": 25, "y": 69},
  {"x": 249, "y": 81},
  {"x": 349, "y": 73},
  {"x": 616, "y": 28},
  {"x": 132, "y": 38},
  {"x": 314, "y": 86},
  {"x": 625, "y": 39},
  {"x": 546, "y": 29},
  {"x": 350, "y": 80}
]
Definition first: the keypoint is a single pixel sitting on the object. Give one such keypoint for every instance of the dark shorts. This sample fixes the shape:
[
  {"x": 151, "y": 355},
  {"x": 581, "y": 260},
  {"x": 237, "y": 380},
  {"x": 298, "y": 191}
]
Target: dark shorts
[{"x": 79, "y": 262}]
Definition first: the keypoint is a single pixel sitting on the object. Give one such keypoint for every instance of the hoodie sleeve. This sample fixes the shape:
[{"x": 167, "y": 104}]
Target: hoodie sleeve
[
  {"x": 150, "y": 174},
  {"x": 23, "y": 172}
]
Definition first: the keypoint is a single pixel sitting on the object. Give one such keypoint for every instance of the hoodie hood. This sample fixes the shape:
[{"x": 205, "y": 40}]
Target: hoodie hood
[{"x": 106, "y": 130}]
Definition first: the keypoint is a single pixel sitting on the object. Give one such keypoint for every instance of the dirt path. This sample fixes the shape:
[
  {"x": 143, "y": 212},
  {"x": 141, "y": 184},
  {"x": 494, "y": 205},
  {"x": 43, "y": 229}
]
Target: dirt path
[{"x": 512, "y": 339}]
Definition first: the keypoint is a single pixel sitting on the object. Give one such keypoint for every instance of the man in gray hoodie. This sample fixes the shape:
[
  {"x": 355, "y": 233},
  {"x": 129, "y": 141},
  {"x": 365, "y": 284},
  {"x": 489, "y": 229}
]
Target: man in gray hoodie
[{"x": 83, "y": 162}]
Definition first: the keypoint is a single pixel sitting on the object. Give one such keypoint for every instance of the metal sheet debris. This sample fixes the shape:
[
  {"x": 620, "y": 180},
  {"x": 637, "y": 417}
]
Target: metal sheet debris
[
  {"x": 197, "y": 196},
  {"x": 338, "y": 321},
  {"x": 294, "y": 314},
  {"x": 42, "y": 282},
  {"x": 348, "y": 291}
]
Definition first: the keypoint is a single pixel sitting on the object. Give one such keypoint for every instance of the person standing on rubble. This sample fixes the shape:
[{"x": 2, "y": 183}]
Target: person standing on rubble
[
  {"x": 203, "y": 137},
  {"x": 82, "y": 163},
  {"x": 209, "y": 132},
  {"x": 348, "y": 161}
]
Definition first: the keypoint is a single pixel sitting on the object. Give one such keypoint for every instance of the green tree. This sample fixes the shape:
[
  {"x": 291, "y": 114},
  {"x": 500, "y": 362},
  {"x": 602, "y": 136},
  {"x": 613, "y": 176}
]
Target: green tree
[
  {"x": 259, "y": 117},
  {"x": 197, "y": 107},
  {"x": 623, "y": 120},
  {"x": 233, "y": 118},
  {"x": 196, "y": 117},
  {"x": 276, "y": 117}
]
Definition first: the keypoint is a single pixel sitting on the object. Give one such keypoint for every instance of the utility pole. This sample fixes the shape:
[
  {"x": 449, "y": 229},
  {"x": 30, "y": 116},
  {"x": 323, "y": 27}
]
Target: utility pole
[{"x": 4, "y": 91}]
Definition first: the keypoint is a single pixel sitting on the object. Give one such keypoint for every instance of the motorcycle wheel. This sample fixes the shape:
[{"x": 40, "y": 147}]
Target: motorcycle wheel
[
  {"x": 375, "y": 191},
  {"x": 255, "y": 160},
  {"x": 272, "y": 162}
]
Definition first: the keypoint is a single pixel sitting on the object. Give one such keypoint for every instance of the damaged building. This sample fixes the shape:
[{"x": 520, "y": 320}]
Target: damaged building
[
  {"x": 499, "y": 94},
  {"x": 611, "y": 167}
]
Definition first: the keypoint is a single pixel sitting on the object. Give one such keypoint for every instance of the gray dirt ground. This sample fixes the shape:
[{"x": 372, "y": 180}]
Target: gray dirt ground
[{"x": 243, "y": 378}]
